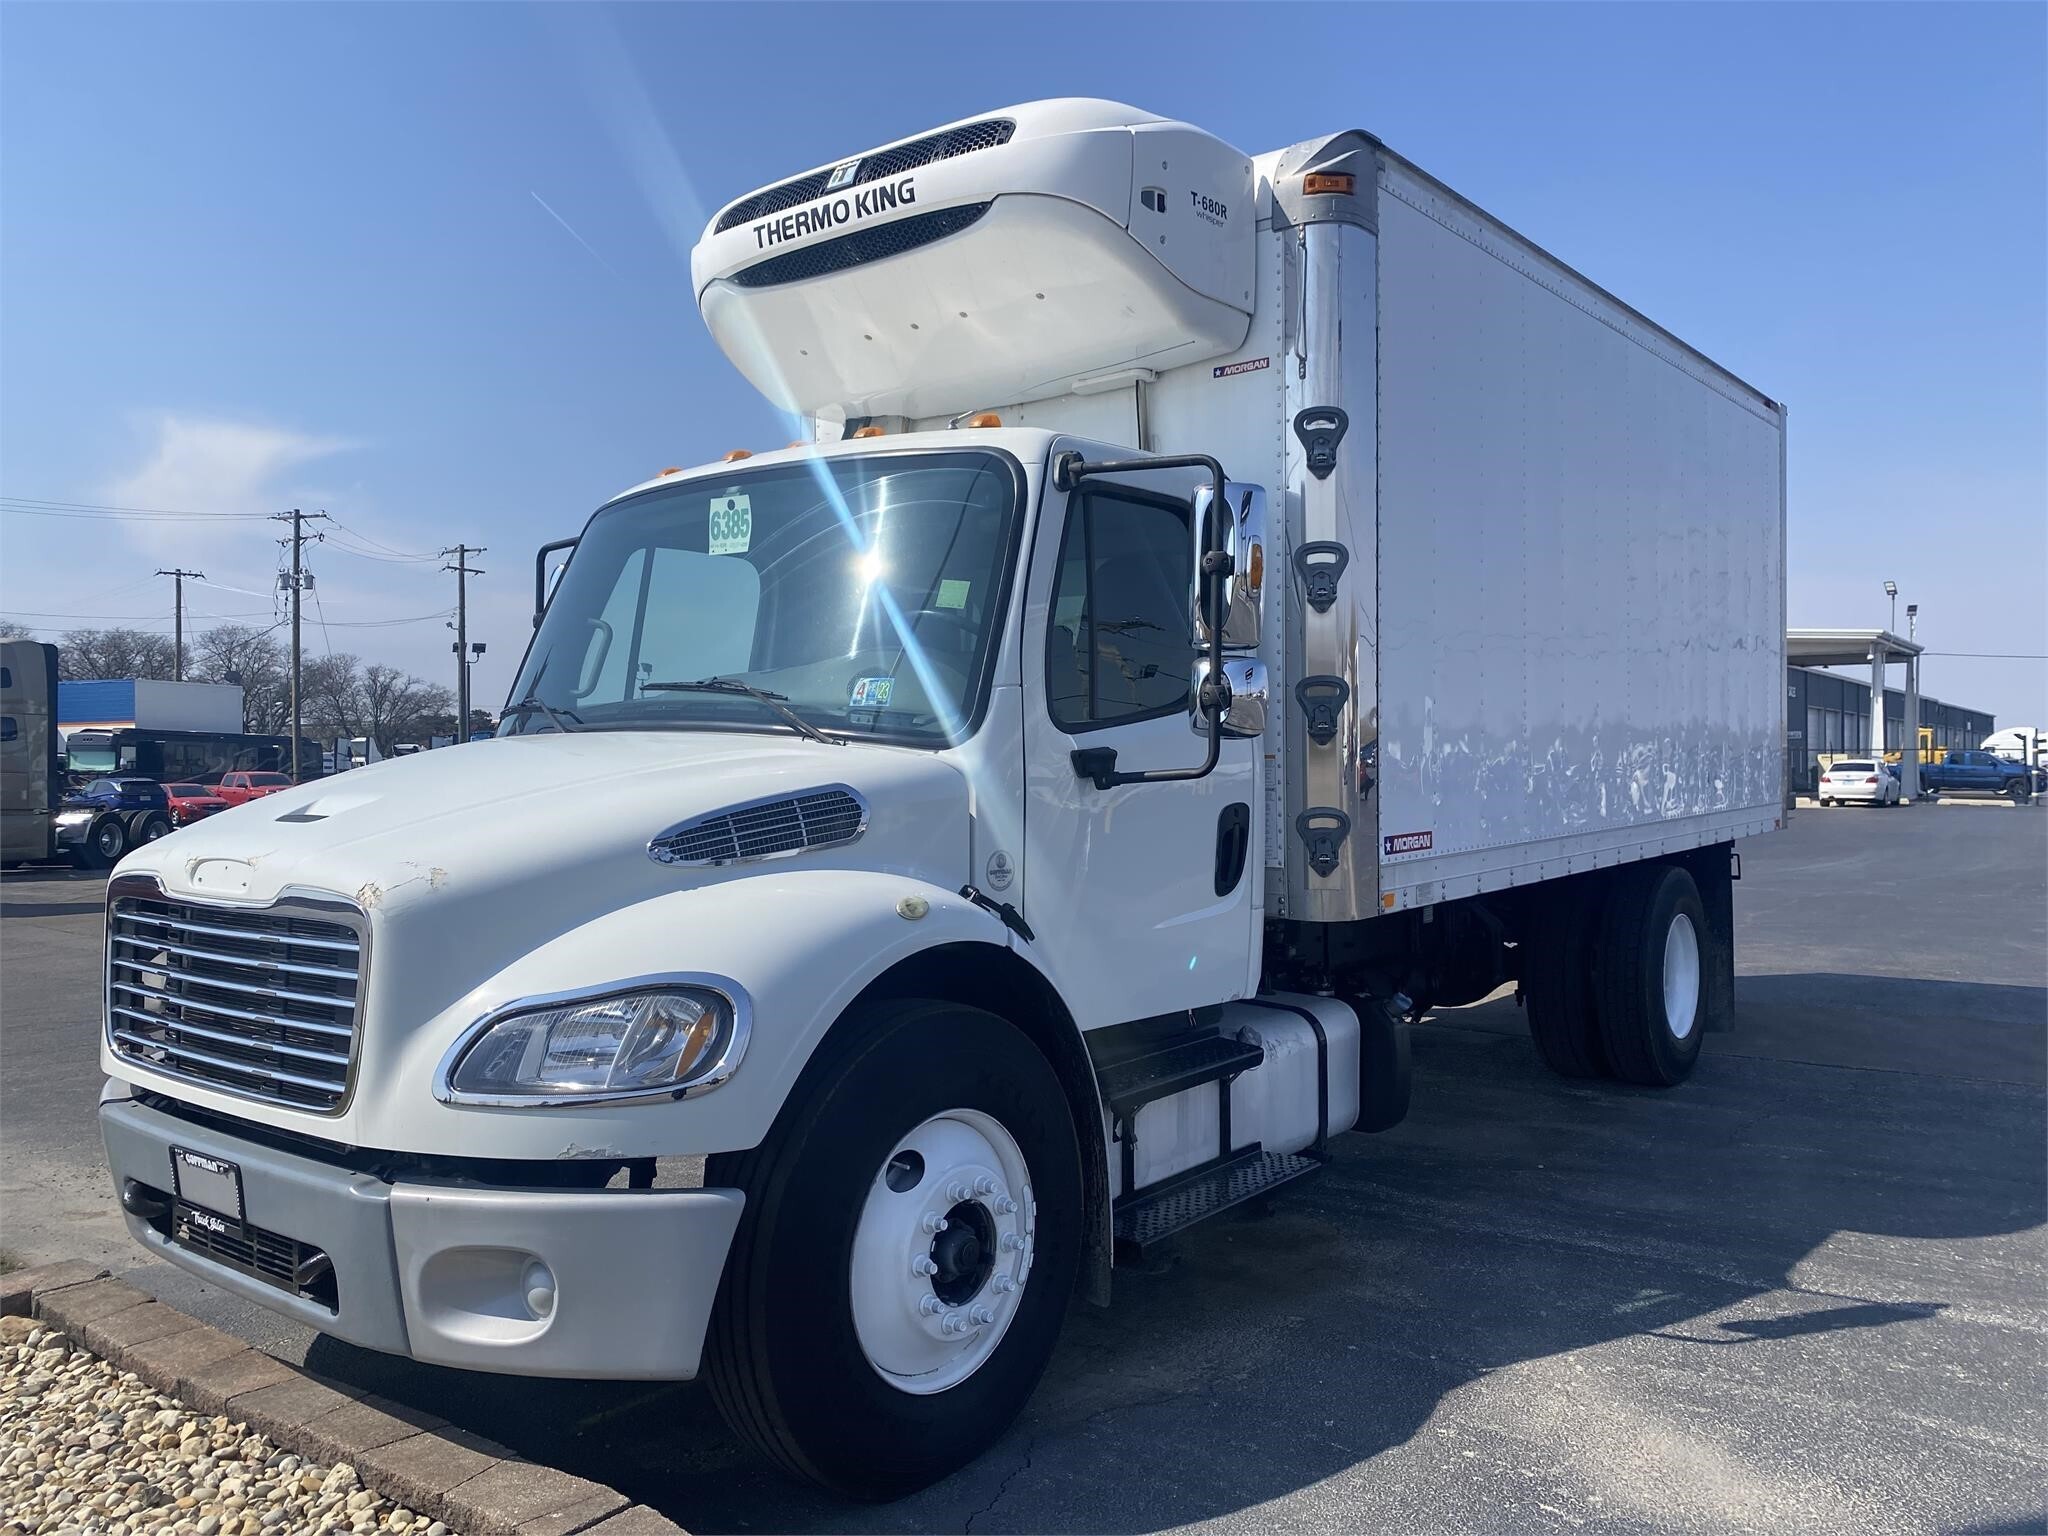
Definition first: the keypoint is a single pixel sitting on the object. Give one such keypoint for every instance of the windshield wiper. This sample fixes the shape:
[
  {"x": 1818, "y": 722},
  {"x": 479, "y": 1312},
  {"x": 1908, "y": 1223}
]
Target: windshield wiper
[
  {"x": 533, "y": 701},
  {"x": 732, "y": 685}
]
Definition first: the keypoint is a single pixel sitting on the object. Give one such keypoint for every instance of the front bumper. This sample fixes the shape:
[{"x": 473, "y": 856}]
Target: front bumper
[{"x": 440, "y": 1271}]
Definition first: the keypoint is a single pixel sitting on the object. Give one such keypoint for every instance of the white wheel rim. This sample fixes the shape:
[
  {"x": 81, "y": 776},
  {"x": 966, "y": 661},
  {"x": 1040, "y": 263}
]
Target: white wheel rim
[
  {"x": 1681, "y": 976},
  {"x": 962, "y": 1173}
]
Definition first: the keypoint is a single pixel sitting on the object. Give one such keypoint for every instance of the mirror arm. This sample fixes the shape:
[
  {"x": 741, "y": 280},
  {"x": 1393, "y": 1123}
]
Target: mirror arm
[
  {"x": 1098, "y": 764},
  {"x": 540, "y": 576}
]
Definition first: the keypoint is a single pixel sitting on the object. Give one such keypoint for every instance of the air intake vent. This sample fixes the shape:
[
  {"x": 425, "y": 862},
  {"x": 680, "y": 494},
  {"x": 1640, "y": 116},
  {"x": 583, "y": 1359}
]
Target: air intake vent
[
  {"x": 861, "y": 247},
  {"x": 765, "y": 829},
  {"x": 879, "y": 166}
]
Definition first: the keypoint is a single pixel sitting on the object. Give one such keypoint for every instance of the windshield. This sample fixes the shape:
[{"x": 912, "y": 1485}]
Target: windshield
[
  {"x": 863, "y": 594},
  {"x": 89, "y": 759}
]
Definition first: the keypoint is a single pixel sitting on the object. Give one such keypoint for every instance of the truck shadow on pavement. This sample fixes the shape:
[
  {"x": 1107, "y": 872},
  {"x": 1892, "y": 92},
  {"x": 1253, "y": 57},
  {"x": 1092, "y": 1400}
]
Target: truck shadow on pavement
[{"x": 1531, "y": 1291}]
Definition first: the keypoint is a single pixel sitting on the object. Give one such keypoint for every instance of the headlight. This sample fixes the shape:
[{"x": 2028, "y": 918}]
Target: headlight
[{"x": 656, "y": 1042}]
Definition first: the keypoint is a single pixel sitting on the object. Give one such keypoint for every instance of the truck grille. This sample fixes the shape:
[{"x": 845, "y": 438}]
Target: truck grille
[
  {"x": 822, "y": 818},
  {"x": 878, "y": 166},
  {"x": 260, "y": 1002},
  {"x": 860, "y": 247}
]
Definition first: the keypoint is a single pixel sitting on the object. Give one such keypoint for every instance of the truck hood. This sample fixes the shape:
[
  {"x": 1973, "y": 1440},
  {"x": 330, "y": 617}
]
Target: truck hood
[{"x": 547, "y": 830}]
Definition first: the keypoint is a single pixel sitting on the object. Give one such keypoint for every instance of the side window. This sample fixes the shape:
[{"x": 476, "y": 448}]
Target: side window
[
  {"x": 1119, "y": 645},
  {"x": 9, "y": 729}
]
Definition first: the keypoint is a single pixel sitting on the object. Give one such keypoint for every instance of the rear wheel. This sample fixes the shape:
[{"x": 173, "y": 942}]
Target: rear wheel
[
  {"x": 106, "y": 842},
  {"x": 150, "y": 826},
  {"x": 910, "y": 1241},
  {"x": 1557, "y": 982},
  {"x": 1650, "y": 975}
]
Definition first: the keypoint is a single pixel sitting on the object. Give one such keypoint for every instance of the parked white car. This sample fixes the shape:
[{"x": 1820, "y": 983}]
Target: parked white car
[{"x": 1858, "y": 779}]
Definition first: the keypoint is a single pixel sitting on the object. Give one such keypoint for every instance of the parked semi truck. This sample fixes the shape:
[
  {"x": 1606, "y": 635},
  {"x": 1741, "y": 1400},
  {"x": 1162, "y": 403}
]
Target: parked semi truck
[
  {"x": 31, "y": 755},
  {"x": 1220, "y": 608}
]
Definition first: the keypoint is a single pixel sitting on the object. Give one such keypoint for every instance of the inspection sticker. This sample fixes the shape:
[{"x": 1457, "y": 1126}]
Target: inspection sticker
[
  {"x": 871, "y": 692},
  {"x": 732, "y": 524},
  {"x": 952, "y": 594}
]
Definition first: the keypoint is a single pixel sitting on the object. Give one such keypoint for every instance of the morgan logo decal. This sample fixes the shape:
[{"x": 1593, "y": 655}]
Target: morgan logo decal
[
  {"x": 1232, "y": 370},
  {"x": 1406, "y": 842}
]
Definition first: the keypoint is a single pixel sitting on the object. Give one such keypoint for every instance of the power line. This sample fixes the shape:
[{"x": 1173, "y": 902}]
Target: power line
[
  {"x": 35, "y": 506},
  {"x": 379, "y": 544}
]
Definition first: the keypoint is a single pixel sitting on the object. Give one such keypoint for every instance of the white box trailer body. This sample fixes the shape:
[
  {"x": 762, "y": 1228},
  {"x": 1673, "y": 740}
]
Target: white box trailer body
[
  {"x": 1221, "y": 607},
  {"x": 1557, "y": 532}
]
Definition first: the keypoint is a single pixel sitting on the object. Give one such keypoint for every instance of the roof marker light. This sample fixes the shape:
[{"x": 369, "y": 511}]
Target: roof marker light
[
  {"x": 673, "y": 469},
  {"x": 984, "y": 419},
  {"x": 870, "y": 432},
  {"x": 1322, "y": 183},
  {"x": 734, "y": 455}
]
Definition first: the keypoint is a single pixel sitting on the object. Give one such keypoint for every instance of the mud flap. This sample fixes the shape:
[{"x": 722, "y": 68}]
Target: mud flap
[
  {"x": 1383, "y": 1065},
  {"x": 1713, "y": 872}
]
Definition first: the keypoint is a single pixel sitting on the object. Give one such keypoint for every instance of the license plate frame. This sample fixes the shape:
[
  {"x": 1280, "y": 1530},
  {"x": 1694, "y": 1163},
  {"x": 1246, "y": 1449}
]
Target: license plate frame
[{"x": 205, "y": 1183}]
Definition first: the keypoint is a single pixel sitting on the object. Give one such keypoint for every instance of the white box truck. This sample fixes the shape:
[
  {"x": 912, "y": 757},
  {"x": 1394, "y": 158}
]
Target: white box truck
[{"x": 1218, "y": 608}]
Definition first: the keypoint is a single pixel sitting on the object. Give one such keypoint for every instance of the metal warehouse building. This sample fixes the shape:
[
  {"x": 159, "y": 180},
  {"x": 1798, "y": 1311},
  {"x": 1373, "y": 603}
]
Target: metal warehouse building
[{"x": 1827, "y": 715}]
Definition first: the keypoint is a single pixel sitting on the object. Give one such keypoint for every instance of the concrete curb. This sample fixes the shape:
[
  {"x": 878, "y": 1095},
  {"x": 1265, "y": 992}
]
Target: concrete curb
[{"x": 475, "y": 1485}]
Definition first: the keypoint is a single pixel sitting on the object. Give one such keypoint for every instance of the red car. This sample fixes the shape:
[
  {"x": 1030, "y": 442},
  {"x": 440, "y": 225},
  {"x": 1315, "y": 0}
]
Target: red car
[
  {"x": 189, "y": 802},
  {"x": 241, "y": 788}
]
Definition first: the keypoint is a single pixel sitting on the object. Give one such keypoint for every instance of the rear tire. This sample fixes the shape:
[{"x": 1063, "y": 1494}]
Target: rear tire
[
  {"x": 150, "y": 826},
  {"x": 1557, "y": 987},
  {"x": 105, "y": 842},
  {"x": 814, "y": 1311},
  {"x": 1650, "y": 975}
]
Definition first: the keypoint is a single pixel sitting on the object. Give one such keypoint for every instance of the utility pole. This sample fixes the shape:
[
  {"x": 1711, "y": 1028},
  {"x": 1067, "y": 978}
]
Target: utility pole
[
  {"x": 178, "y": 619},
  {"x": 463, "y": 571},
  {"x": 298, "y": 581}
]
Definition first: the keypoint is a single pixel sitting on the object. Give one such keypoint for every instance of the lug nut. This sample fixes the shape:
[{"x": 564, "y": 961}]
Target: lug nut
[
  {"x": 1006, "y": 1206},
  {"x": 921, "y": 1265},
  {"x": 1005, "y": 1284},
  {"x": 927, "y": 1305},
  {"x": 953, "y": 1322},
  {"x": 958, "y": 1191},
  {"x": 985, "y": 1185},
  {"x": 933, "y": 1222},
  {"x": 1012, "y": 1243},
  {"x": 982, "y": 1316}
]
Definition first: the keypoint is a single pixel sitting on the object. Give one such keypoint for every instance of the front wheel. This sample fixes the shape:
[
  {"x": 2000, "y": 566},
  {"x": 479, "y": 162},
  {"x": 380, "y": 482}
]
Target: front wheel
[{"x": 910, "y": 1241}]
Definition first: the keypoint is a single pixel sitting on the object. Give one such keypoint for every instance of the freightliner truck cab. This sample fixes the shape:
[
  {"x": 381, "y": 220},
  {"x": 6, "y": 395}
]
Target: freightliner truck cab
[{"x": 917, "y": 867}]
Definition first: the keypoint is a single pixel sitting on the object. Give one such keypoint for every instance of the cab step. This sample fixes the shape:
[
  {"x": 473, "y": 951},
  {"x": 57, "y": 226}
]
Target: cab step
[
  {"x": 1162, "y": 1211},
  {"x": 1130, "y": 1085}
]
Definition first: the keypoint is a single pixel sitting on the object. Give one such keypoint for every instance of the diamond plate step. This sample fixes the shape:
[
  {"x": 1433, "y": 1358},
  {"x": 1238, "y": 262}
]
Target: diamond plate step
[{"x": 1152, "y": 1217}]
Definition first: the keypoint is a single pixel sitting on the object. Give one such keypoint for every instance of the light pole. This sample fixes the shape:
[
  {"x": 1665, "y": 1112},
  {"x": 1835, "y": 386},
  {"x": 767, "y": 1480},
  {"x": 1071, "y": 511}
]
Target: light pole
[
  {"x": 1912, "y": 620},
  {"x": 1891, "y": 590}
]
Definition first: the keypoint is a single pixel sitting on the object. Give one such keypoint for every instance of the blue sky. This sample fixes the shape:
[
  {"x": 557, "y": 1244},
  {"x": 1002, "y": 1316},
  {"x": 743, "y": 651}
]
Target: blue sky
[{"x": 256, "y": 257}]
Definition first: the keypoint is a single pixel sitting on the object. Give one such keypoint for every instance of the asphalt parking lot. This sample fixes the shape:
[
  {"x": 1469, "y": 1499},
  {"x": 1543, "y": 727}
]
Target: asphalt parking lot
[{"x": 1807, "y": 1291}]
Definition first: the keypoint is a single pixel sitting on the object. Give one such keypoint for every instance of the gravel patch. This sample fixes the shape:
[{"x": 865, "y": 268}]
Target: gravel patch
[{"x": 86, "y": 1450}]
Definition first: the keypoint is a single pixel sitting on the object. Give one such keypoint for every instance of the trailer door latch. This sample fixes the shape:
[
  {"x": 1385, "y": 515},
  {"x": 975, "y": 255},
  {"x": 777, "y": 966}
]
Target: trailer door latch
[
  {"x": 1321, "y": 562},
  {"x": 1321, "y": 428},
  {"x": 1323, "y": 828},
  {"x": 1322, "y": 699}
]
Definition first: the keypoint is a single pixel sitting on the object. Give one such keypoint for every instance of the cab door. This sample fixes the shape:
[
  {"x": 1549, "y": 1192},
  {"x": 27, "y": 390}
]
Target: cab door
[{"x": 1143, "y": 897}]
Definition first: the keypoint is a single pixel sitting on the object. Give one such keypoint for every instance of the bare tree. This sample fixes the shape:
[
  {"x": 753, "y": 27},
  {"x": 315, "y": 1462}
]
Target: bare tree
[
  {"x": 253, "y": 658},
  {"x": 113, "y": 653},
  {"x": 10, "y": 630},
  {"x": 397, "y": 705}
]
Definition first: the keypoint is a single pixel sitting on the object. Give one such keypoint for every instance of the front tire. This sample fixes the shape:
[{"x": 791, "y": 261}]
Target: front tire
[
  {"x": 1651, "y": 976},
  {"x": 824, "y": 1352}
]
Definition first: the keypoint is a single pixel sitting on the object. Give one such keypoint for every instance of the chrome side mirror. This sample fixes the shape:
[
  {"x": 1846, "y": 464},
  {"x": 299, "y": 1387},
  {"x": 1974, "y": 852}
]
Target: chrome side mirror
[
  {"x": 1244, "y": 710},
  {"x": 1245, "y": 538}
]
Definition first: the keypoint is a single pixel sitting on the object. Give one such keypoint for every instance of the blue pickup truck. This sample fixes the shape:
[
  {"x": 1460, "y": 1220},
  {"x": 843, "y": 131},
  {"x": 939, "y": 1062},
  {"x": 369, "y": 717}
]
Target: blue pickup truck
[{"x": 1982, "y": 772}]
